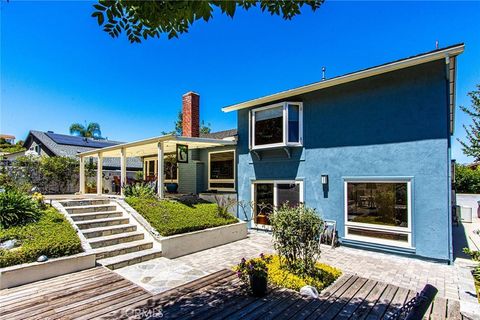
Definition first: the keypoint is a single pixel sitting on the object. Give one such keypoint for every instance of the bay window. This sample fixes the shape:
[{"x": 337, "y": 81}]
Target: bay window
[
  {"x": 221, "y": 170},
  {"x": 379, "y": 212},
  {"x": 269, "y": 195},
  {"x": 278, "y": 125}
]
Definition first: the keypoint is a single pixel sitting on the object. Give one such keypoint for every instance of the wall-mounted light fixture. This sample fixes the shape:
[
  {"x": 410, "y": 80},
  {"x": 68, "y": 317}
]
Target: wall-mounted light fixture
[{"x": 324, "y": 179}]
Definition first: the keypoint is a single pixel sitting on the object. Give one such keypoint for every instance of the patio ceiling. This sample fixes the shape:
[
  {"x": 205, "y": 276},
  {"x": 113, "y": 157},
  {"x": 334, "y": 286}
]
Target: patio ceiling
[{"x": 150, "y": 146}]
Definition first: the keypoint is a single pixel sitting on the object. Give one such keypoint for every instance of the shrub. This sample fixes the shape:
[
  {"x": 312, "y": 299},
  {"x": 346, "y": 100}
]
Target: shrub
[
  {"x": 52, "y": 236},
  {"x": 474, "y": 254},
  {"x": 278, "y": 275},
  {"x": 172, "y": 217},
  {"x": 17, "y": 208},
  {"x": 253, "y": 267},
  {"x": 59, "y": 172},
  {"x": 296, "y": 232},
  {"x": 139, "y": 190},
  {"x": 467, "y": 180}
]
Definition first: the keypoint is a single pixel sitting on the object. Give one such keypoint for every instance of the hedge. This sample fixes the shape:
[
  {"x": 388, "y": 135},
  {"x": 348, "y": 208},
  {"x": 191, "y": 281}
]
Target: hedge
[
  {"x": 172, "y": 217},
  {"x": 467, "y": 180},
  {"x": 52, "y": 235}
]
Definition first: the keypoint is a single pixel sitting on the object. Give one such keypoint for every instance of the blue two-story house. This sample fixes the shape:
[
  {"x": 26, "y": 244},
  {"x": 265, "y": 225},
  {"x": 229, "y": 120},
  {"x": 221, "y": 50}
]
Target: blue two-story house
[{"x": 369, "y": 150}]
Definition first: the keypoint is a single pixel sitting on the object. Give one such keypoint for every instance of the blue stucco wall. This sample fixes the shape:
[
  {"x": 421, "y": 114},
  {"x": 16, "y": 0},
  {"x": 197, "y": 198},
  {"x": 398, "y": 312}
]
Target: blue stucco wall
[{"x": 392, "y": 125}]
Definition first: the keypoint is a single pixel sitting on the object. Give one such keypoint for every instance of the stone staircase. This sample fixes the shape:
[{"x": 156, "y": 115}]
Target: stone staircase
[{"x": 115, "y": 237}]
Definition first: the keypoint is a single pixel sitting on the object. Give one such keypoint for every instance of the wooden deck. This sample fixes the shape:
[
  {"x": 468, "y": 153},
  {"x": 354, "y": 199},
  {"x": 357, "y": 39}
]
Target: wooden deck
[{"x": 101, "y": 293}]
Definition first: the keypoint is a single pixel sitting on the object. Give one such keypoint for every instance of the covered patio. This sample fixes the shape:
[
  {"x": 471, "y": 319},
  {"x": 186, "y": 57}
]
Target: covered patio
[{"x": 157, "y": 146}]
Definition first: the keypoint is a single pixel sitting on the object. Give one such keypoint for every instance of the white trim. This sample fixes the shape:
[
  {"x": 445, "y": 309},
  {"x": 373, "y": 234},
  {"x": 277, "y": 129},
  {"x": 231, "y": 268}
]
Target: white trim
[
  {"x": 405, "y": 63},
  {"x": 285, "y": 142},
  {"x": 160, "y": 177},
  {"x": 223, "y": 180},
  {"x": 376, "y": 227},
  {"x": 300, "y": 182}
]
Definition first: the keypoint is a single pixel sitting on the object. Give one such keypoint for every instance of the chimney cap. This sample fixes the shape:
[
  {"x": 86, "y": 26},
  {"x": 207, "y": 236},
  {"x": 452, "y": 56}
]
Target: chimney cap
[{"x": 190, "y": 92}]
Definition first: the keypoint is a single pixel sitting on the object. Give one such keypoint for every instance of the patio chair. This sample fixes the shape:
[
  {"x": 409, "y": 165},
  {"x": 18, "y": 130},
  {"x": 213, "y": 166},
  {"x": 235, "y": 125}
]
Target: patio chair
[
  {"x": 416, "y": 308},
  {"x": 329, "y": 233}
]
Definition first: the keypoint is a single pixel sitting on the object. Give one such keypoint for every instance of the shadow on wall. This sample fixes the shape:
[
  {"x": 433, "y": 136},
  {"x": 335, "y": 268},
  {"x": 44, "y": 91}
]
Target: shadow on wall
[{"x": 407, "y": 105}]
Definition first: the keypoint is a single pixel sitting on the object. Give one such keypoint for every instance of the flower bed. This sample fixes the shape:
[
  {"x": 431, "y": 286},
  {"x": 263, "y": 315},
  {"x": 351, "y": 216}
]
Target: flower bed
[
  {"x": 278, "y": 275},
  {"x": 51, "y": 235},
  {"x": 172, "y": 217}
]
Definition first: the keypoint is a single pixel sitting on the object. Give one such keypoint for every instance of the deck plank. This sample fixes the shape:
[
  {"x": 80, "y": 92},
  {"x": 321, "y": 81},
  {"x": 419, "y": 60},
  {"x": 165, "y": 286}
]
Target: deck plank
[
  {"x": 356, "y": 301},
  {"x": 453, "y": 310},
  {"x": 439, "y": 309},
  {"x": 397, "y": 302},
  {"x": 363, "y": 310}
]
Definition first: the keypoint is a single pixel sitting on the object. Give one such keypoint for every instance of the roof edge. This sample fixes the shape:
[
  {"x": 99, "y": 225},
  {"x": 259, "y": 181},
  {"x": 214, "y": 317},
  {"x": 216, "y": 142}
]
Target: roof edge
[{"x": 357, "y": 75}]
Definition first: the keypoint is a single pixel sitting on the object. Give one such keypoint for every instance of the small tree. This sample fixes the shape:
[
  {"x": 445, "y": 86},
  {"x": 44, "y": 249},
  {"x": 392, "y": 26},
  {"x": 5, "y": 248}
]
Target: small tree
[
  {"x": 296, "y": 232},
  {"x": 59, "y": 172},
  {"x": 472, "y": 146}
]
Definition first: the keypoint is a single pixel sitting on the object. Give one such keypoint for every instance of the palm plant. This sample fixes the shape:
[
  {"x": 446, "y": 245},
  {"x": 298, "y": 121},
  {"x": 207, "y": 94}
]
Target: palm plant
[{"x": 92, "y": 130}]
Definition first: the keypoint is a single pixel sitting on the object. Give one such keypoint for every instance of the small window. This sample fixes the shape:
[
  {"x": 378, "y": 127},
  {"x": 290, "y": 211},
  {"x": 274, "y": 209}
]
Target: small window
[
  {"x": 221, "y": 170},
  {"x": 277, "y": 125}
]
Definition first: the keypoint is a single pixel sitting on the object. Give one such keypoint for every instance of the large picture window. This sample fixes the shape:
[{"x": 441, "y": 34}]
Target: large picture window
[
  {"x": 277, "y": 125},
  {"x": 221, "y": 170},
  {"x": 378, "y": 211},
  {"x": 269, "y": 195}
]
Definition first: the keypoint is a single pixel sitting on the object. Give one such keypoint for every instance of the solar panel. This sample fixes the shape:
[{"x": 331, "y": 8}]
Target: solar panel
[{"x": 79, "y": 141}]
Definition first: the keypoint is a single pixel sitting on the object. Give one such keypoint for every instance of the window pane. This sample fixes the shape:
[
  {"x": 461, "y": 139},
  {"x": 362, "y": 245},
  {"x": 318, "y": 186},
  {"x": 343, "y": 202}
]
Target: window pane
[
  {"x": 293, "y": 123},
  {"x": 378, "y": 234},
  {"x": 263, "y": 202},
  {"x": 269, "y": 126},
  {"x": 151, "y": 167},
  {"x": 222, "y": 165},
  {"x": 288, "y": 192},
  {"x": 222, "y": 185},
  {"x": 378, "y": 203},
  {"x": 170, "y": 170}
]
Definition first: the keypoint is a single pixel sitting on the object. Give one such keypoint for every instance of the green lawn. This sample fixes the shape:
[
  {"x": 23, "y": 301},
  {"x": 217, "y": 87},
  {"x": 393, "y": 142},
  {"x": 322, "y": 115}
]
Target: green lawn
[
  {"x": 52, "y": 235},
  {"x": 172, "y": 217}
]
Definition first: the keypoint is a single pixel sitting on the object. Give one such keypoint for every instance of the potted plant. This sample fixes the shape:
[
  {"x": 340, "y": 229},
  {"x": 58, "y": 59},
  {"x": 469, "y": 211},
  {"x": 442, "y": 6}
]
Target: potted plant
[
  {"x": 171, "y": 166},
  {"x": 255, "y": 273}
]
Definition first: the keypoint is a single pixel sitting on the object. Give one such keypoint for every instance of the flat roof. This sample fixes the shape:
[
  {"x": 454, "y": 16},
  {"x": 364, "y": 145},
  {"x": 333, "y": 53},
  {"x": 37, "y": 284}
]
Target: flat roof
[
  {"x": 149, "y": 146},
  {"x": 437, "y": 54}
]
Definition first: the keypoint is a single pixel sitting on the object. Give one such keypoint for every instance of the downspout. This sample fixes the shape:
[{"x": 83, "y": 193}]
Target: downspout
[{"x": 449, "y": 164}]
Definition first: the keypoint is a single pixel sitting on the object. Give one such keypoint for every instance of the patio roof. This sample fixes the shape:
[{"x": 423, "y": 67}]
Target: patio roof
[{"x": 150, "y": 146}]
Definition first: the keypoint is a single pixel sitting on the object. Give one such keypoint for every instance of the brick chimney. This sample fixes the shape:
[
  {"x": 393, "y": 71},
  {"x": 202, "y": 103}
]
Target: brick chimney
[{"x": 191, "y": 114}]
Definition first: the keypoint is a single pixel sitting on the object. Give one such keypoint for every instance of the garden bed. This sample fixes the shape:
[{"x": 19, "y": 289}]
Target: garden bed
[
  {"x": 52, "y": 235},
  {"x": 171, "y": 217}
]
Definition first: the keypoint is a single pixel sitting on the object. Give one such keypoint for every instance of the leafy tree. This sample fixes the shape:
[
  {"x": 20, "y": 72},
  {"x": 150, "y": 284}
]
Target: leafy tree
[
  {"x": 92, "y": 130},
  {"x": 59, "y": 171},
  {"x": 471, "y": 147},
  {"x": 148, "y": 19},
  {"x": 204, "y": 128},
  {"x": 467, "y": 180}
]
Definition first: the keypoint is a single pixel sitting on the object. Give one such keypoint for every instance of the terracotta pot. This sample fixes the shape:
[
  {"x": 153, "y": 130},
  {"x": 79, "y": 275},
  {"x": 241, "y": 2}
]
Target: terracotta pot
[
  {"x": 258, "y": 285},
  {"x": 262, "y": 219}
]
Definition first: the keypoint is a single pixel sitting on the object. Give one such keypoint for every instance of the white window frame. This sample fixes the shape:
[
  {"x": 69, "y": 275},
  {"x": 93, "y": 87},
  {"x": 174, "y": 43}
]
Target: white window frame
[
  {"x": 145, "y": 169},
  {"x": 300, "y": 182},
  {"x": 223, "y": 180},
  {"x": 284, "y": 143},
  {"x": 375, "y": 227}
]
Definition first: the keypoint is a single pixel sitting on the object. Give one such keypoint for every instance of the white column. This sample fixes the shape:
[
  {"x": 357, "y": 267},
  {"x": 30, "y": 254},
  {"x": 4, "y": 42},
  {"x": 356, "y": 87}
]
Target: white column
[
  {"x": 82, "y": 175},
  {"x": 123, "y": 170},
  {"x": 99, "y": 174},
  {"x": 160, "y": 171}
]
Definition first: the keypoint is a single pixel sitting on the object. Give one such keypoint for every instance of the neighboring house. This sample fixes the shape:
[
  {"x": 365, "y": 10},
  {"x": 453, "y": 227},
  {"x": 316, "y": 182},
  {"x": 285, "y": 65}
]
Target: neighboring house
[
  {"x": 8, "y": 138},
  {"x": 370, "y": 150},
  {"x": 50, "y": 144}
]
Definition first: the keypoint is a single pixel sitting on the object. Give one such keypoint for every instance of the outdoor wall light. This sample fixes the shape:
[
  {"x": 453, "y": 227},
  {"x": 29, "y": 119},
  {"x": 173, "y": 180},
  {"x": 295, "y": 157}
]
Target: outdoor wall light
[{"x": 324, "y": 179}]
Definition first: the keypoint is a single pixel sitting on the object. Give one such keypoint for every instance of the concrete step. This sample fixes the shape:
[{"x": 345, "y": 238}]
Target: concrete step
[
  {"x": 98, "y": 223},
  {"x": 116, "y": 239},
  {"x": 84, "y": 202},
  {"x": 108, "y": 231},
  {"x": 95, "y": 215},
  {"x": 130, "y": 258},
  {"x": 91, "y": 208},
  {"x": 122, "y": 248}
]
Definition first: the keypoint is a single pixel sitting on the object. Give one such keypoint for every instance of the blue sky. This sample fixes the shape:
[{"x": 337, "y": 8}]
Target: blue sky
[{"x": 59, "y": 67}]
